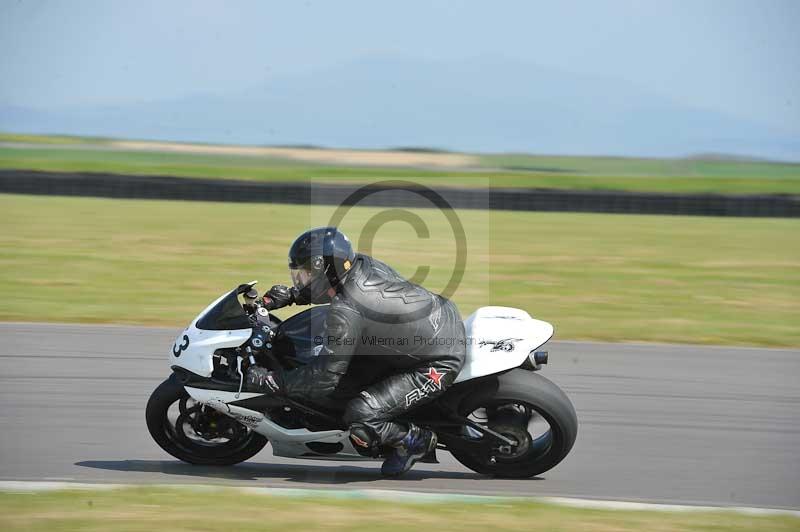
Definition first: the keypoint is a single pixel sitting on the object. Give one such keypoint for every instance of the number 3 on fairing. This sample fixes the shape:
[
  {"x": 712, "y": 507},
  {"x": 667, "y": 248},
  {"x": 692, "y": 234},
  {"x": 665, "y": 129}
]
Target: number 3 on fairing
[{"x": 178, "y": 349}]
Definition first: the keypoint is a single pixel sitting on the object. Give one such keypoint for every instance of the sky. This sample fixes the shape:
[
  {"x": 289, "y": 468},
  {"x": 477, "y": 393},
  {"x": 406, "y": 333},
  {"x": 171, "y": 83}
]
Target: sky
[{"x": 737, "y": 58}]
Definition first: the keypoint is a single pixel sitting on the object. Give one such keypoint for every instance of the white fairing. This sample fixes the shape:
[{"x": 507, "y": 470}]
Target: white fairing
[
  {"x": 197, "y": 356},
  {"x": 285, "y": 442},
  {"x": 500, "y": 338}
]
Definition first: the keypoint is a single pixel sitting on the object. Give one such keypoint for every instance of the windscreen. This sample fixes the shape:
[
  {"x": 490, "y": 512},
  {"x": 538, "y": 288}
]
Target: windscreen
[{"x": 227, "y": 314}]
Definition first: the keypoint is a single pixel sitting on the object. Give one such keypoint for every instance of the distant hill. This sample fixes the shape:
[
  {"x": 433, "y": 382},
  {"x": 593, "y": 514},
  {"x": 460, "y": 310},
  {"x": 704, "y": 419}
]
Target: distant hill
[{"x": 483, "y": 105}]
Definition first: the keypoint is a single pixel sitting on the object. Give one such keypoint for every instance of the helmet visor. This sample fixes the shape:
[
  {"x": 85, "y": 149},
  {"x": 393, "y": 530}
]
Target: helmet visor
[
  {"x": 302, "y": 277},
  {"x": 305, "y": 274}
]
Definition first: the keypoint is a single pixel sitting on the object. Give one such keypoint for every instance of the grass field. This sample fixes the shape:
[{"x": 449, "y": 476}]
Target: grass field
[
  {"x": 604, "y": 277},
  {"x": 220, "y": 509},
  {"x": 73, "y": 154}
]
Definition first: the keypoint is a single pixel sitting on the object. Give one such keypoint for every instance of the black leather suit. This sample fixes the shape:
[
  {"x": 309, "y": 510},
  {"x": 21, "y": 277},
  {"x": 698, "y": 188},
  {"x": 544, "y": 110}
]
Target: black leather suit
[{"x": 400, "y": 344}]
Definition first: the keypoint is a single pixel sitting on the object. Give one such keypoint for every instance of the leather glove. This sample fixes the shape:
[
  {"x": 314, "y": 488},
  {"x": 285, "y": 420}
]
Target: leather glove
[
  {"x": 278, "y": 296},
  {"x": 261, "y": 380}
]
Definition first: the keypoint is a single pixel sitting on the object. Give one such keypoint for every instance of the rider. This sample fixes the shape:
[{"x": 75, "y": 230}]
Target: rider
[{"x": 373, "y": 311}]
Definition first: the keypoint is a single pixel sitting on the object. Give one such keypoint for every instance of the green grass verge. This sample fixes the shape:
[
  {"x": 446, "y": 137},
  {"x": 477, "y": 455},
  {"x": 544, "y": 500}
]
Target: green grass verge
[
  {"x": 731, "y": 281},
  {"x": 49, "y": 139},
  {"x": 571, "y": 173},
  {"x": 149, "y": 509},
  {"x": 657, "y": 168}
]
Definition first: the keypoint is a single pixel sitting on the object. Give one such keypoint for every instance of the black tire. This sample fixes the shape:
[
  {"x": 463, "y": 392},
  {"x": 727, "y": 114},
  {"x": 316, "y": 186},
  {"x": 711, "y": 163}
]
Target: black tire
[
  {"x": 162, "y": 431},
  {"x": 547, "y": 399}
]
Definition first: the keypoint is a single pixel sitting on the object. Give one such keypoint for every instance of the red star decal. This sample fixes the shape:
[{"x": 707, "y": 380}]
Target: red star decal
[{"x": 435, "y": 376}]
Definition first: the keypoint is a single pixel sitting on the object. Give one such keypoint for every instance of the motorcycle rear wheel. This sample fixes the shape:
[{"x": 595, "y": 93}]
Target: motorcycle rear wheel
[
  {"x": 195, "y": 434},
  {"x": 520, "y": 391}
]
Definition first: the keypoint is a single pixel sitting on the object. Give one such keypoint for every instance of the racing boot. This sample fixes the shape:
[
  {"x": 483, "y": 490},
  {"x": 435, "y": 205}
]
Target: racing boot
[{"x": 415, "y": 445}]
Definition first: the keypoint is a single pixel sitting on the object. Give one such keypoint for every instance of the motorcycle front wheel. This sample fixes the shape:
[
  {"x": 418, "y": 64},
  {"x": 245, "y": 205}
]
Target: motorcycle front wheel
[{"x": 195, "y": 433}]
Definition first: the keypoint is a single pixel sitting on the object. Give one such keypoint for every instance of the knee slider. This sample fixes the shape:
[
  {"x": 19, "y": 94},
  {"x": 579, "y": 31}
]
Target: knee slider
[{"x": 365, "y": 439}]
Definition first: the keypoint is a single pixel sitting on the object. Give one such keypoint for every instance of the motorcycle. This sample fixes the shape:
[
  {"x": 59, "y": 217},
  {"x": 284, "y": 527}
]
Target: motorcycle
[{"x": 500, "y": 417}]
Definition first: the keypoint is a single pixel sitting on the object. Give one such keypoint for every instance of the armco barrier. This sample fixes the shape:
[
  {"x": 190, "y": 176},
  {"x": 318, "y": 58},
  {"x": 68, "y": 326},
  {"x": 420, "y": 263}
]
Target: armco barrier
[{"x": 175, "y": 188}]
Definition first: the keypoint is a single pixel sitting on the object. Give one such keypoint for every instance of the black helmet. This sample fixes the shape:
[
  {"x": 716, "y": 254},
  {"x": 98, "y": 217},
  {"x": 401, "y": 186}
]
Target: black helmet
[{"x": 318, "y": 260}]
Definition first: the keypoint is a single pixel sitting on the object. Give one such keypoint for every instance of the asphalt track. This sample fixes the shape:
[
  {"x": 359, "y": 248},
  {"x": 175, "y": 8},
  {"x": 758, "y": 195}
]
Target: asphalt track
[{"x": 658, "y": 423}]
